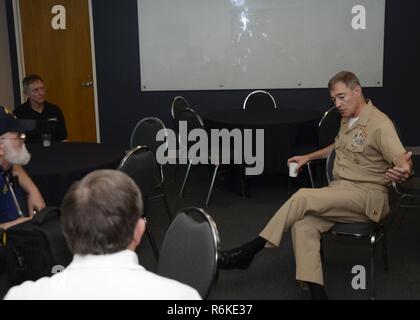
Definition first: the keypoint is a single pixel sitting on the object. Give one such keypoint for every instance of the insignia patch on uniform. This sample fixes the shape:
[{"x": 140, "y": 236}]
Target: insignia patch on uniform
[
  {"x": 360, "y": 136},
  {"x": 5, "y": 190}
]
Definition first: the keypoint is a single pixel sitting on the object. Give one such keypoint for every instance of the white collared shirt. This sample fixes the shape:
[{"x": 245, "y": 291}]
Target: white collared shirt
[{"x": 105, "y": 277}]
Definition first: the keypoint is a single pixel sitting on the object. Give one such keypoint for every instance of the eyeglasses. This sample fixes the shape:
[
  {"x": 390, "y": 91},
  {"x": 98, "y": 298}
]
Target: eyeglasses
[{"x": 20, "y": 136}]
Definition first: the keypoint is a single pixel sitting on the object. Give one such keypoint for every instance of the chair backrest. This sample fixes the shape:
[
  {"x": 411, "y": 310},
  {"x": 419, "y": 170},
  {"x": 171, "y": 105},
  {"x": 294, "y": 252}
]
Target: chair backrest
[
  {"x": 141, "y": 165},
  {"x": 144, "y": 133},
  {"x": 259, "y": 100},
  {"x": 329, "y": 166},
  {"x": 190, "y": 250},
  {"x": 328, "y": 127},
  {"x": 178, "y": 105},
  {"x": 194, "y": 121},
  {"x": 192, "y": 117}
]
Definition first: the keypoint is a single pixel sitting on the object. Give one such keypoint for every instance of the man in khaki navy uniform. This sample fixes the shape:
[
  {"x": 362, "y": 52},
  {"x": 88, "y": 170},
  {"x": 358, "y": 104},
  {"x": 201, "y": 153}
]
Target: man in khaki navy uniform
[{"x": 369, "y": 155}]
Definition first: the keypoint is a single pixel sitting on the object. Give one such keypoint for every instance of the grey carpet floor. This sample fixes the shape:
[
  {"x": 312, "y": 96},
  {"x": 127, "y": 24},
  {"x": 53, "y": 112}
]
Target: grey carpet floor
[
  {"x": 272, "y": 273},
  {"x": 271, "y": 276}
]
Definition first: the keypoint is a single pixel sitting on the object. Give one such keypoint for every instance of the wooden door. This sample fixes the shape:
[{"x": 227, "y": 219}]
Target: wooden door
[{"x": 63, "y": 58}]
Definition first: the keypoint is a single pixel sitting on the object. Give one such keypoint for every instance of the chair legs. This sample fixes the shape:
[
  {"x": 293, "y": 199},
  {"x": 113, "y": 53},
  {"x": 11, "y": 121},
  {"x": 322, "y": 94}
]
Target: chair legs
[
  {"x": 165, "y": 202},
  {"x": 149, "y": 231},
  {"x": 152, "y": 241},
  {"x": 213, "y": 179},
  {"x": 175, "y": 176},
  {"x": 385, "y": 253},
  {"x": 244, "y": 184},
  {"x": 311, "y": 177},
  {"x": 372, "y": 267},
  {"x": 402, "y": 216},
  {"x": 374, "y": 240},
  {"x": 168, "y": 210},
  {"x": 212, "y": 184},
  {"x": 181, "y": 193}
]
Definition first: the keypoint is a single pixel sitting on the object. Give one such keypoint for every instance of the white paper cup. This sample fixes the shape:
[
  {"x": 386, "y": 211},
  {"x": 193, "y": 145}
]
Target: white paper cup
[{"x": 292, "y": 169}]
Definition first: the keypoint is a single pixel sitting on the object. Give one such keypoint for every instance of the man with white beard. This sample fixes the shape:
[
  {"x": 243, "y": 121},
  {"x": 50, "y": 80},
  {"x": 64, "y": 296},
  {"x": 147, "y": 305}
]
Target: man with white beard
[{"x": 13, "y": 155}]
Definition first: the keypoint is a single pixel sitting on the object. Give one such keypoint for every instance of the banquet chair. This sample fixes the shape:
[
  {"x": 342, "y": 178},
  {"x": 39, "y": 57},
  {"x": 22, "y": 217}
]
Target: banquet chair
[
  {"x": 374, "y": 232},
  {"x": 194, "y": 121},
  {"x": 190, "y": 250},
  {"x": 145, "y": 131},
  {"x": 144, "y": 134},
  {"x": 141, "y": 165},
  {"x": 259, "y": 100},
  {"x": 178, "y": 105}
]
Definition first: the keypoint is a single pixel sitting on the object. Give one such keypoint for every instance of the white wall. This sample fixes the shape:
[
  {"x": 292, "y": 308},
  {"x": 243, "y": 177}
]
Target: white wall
[{"x": 6, "y": 83}]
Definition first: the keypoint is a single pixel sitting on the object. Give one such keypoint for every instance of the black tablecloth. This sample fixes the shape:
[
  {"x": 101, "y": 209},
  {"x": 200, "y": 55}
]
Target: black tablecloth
[
  {"x": 55, "y": 168},
  {"x": 283, "y": 130}
]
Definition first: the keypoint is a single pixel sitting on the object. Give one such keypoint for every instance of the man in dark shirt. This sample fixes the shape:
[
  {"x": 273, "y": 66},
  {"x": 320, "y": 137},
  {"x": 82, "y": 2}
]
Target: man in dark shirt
[{"x": 49, "y": 118}]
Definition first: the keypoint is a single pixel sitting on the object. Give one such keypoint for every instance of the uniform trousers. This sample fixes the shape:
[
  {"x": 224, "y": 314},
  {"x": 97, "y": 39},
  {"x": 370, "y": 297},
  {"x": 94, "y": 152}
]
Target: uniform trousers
[{"x": 311, "y": 212}]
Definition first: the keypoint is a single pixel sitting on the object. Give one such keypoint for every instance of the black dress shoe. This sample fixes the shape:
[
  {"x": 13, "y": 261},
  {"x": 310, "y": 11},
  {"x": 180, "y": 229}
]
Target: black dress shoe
[{"x": 235, "y": 259}]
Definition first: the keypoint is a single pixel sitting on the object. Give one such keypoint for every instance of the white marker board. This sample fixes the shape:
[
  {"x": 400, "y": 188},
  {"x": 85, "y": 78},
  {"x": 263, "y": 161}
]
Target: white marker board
[{"x": 251, "y": 44}]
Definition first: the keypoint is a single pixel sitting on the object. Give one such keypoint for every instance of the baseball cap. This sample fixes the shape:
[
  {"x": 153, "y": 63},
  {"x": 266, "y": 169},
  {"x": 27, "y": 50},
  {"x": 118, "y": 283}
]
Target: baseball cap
[{"x": 9, "y": 123}]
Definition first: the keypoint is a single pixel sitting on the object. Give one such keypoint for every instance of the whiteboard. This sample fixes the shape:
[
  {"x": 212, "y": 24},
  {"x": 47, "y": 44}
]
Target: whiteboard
[{"x": 251, "y": 44}]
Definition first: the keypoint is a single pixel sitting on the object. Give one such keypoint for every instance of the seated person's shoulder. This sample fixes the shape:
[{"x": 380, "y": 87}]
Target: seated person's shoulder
[
  {"x": 378, "y": 115},
  {"x": 32, "y": 290},
  {"x": 382, "y": 121}
]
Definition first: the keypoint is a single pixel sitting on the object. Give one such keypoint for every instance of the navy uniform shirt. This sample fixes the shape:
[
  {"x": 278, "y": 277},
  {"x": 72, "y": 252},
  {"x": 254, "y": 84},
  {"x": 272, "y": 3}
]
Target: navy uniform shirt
[
  {"x": 8, "y": 210},
  {"x": 50, "y": 120}
]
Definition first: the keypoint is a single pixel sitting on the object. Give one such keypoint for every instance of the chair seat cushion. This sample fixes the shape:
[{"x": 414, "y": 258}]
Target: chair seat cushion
[{"x": 355, "y": 229}]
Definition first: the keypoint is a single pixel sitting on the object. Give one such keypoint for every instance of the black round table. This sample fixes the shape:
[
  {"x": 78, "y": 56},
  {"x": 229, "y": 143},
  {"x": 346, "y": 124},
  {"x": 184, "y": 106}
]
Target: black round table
[
  {"x": 284, "y": 129},
  {"x": 53, "y": 169}
]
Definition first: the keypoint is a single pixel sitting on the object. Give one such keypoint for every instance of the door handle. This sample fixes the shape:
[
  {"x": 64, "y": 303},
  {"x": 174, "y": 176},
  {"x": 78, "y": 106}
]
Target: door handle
[{"x": 87, "y": 84}]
